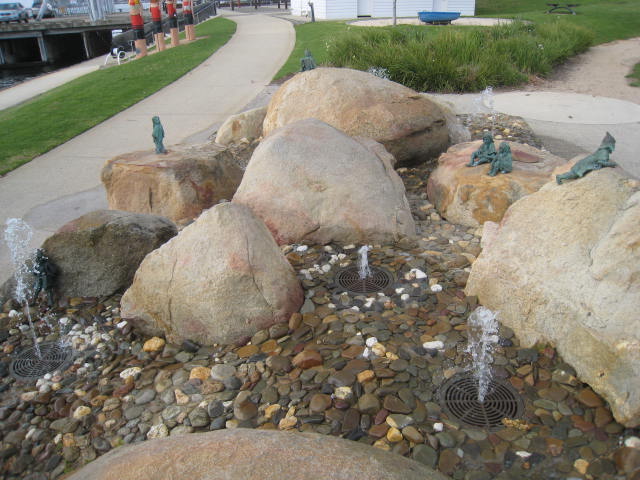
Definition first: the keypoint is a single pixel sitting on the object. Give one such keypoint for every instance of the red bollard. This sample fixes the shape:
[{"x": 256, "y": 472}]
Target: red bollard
[{"x": 137, "y": 24}]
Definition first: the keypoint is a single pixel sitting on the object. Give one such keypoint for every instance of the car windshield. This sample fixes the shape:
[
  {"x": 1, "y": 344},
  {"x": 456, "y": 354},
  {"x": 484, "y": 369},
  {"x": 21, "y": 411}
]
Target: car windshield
[{"x": 9, "y": 6}]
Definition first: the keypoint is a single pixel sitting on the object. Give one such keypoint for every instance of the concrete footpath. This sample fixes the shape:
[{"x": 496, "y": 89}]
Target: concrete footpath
[{"x": 65, "y": 182}]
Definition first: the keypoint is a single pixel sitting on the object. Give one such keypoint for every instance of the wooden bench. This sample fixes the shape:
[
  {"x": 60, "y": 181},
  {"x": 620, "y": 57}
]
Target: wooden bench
[{"x": 562, "y": 8}]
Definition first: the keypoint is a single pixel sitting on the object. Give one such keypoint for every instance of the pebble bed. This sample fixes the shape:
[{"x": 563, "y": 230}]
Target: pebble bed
[{"x": 348, "y": 365}]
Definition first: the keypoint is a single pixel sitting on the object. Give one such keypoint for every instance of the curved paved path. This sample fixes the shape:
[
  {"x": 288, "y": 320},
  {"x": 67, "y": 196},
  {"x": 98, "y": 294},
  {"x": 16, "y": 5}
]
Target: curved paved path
[{"x": 65, "y": 182}]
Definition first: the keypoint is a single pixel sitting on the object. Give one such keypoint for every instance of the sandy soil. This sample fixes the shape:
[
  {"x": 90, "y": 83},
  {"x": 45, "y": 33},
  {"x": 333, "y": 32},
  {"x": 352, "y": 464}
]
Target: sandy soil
[{"x": 600, "y": 71}]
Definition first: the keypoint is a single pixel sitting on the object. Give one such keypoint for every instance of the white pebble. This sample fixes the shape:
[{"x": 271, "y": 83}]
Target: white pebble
[
  {"x": 58, "y": 438},
  {"x": 302, "y": 248},
  {"x": 404, "y": 297},
  {"x": 523, "y": 454},
  {"x": 418, "y": 273},
  {"x": 13, "y": 313},
  {"x": 342, "y": 256},
  {"x": 436, "y": 288},
  {"x": 371, "y": 341},
  {"x": 438, "y": 427},
  {"x": 326, "y": 268},
  {"x": 23, "y": 328},
  {"x": 122, "y": 324},
  {"x": 328, "y": 248},
  {"x": 366, "y": 353},
  {"x": 399, "y": 290},
  {"x": 158, "y": 431},
  {"x": 434, "y": 345},
  {"x": 351, "y": 246},
  {"x": 355, "y": 308},
  {"x": 130, "y": 372},
  {"x": 632, "y": 442}
]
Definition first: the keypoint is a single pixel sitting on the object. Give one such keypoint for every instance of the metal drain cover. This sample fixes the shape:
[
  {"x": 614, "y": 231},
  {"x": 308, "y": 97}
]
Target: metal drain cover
[
  {"x": 349, "y": 279},
  {"x": 27, "y": 366},
  {"x": 459, "y": 399}
]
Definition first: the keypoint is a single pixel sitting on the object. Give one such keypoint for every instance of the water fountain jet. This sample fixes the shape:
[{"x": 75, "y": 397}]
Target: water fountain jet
[
  {"x": 482, "y": 329},
  {"x": 363, "y": 262},
  {"x": 18, "y": 235}
]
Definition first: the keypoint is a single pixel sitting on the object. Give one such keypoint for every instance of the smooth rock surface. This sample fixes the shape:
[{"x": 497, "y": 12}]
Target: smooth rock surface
[
  {"x": 311, "y": 183},
  {"x": 98, "y": 253},
  {"x": 241, "y": 454},
  {"x": 411, "y": 126},
  {"x": 242, "y": 126},
  {"x": 221, "y": 279},
  {"x": 178, "y": 185},
  {"x": 468, "y": 196},
  {"x": 564, "y": 267}
]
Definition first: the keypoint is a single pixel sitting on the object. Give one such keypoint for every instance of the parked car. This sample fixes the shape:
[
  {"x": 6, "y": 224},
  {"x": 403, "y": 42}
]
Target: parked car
[
  {"x": 13, "y": 12},
  {"x": 50, "y": 11}
]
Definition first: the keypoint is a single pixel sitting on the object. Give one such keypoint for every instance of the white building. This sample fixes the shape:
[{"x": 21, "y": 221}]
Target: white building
[{"x": 343, "y": 9}]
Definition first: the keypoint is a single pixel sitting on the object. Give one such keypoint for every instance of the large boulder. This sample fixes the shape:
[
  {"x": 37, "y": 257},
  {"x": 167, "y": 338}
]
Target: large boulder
[
  {"x": 310, "y": 182},
  {"x": 241, "y": 454},
  {"x": 98, "y": 253},
  {"x": 564, "y": 267},
  {"x": 177, "y": 185},
  {"x": 245, "y": 126},
  {"x": 221, "y": 279},
  {"x": 411, "y": 126},
  {"x": 468, "y": 196}
]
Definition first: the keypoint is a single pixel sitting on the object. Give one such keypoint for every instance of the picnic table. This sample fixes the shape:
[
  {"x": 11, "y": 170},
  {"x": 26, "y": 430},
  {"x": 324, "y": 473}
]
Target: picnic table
[{"x": 562, "y": 8}]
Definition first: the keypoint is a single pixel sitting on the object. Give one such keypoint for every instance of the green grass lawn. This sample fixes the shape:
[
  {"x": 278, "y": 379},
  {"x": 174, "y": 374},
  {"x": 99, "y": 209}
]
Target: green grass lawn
[
  {"x": 635, "y": 76},
  {"x": 316, "y": 37},
  {"x": 607, "y": 19},
  {"x": 37, "y": 126}
]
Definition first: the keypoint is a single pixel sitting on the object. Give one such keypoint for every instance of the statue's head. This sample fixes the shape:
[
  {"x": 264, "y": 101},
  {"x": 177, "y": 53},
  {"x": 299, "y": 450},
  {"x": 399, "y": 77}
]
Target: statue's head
[
  {"x": 487, "y": 138},
  {"x": 504, "y": 148},
  {"x": 608, "y": 143},
  {"x": 307, "y": 52},
  {"x": 156, "y": 120}
]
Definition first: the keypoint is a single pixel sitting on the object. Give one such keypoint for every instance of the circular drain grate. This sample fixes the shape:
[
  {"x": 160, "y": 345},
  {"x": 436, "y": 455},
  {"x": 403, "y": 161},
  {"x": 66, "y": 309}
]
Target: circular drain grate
[
  {"x": 349, "y": 279},
  {"x": 27, "y": 366},
  {"x": 459, "y": 399}
]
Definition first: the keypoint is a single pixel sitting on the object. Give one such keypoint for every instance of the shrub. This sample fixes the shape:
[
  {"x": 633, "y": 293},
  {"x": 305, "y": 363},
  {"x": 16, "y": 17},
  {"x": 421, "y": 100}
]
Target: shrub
[{"x": 459, "y": 59}]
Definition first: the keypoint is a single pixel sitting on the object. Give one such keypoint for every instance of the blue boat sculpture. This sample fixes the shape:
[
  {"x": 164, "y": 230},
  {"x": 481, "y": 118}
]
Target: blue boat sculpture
[{"x": 438, "y": 17}]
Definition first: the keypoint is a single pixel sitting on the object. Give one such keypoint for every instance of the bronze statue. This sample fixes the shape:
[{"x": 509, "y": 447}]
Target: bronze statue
[
  {"x": 158, "y": 135},
  {"x": 485, "y": 154},
  {"x": 307, "y": 62},
  {"x": 45, "y": 271},
  {"x": 597, "y": 160},
  {"x": 503, "y": 162}
]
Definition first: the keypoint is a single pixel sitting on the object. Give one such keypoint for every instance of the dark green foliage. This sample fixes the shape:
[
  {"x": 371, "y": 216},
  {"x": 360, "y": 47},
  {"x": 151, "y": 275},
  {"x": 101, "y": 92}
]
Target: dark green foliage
[
  {"x": 460, "y": 59},
  {"x": 635, "y": 76}
]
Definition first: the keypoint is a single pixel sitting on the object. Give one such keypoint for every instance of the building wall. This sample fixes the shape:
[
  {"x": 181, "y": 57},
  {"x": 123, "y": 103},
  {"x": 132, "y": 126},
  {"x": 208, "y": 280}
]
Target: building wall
[
  {"x": 341, "y": 9},
  {"x": 296, "y": 7},
  {"x": 465, "y": 7},
  {"x": 404, "y": 8},
  {"x": 335, "y": 9}
]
